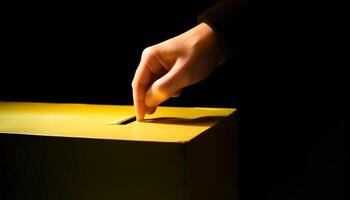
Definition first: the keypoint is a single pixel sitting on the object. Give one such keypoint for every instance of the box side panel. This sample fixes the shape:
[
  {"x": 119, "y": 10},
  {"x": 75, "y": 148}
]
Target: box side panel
[
  {"x": 39, "y": 167},
  {"x": 212, "y": 163}
]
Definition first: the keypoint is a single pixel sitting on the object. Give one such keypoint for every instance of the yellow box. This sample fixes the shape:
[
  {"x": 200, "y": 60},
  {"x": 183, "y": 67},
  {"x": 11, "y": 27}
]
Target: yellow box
[{"x": 82, "y": 151}]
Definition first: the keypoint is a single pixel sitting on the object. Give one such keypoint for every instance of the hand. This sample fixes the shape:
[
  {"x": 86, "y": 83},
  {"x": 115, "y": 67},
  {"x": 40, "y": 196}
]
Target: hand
[{"x": 167, "y": 67}]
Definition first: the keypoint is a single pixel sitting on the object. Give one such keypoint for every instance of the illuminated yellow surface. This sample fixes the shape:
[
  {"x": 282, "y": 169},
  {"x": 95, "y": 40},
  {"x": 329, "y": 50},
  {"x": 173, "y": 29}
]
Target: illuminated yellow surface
[{"x": 168, "y": 124}]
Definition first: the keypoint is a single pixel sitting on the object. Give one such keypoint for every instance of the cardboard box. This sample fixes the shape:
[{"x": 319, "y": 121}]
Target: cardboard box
[{"x": 99, "y": 152}]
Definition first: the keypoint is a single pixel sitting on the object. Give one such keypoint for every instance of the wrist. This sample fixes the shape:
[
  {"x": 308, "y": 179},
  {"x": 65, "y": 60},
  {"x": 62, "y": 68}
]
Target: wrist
[{"x": 204, "y": 34}]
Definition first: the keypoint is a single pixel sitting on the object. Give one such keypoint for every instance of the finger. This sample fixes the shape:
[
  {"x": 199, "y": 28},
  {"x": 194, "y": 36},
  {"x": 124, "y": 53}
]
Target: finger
[
  {"x": 142, "y": 80},
  {"x": 139, "y": 105},
  {"x": 148, "y": 70},
  {"x": 166, "y": 86},
  {"x": 151, "y": 110}
]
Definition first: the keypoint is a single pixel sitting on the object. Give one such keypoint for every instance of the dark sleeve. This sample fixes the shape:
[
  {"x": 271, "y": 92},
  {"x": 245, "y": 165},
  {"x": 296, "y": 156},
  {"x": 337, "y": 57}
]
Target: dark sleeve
[{"x": 228, "y": 18}]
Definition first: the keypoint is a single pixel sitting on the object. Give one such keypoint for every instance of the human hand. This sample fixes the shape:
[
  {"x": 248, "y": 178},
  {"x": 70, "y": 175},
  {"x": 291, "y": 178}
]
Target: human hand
[{"x": 169, "y": 66}]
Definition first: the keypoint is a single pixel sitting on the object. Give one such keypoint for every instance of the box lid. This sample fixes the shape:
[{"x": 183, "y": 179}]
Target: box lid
[{"x": 168, "y": 124}]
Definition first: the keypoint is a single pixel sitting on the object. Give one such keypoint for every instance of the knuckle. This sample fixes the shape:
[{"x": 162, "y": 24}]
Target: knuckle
[
  {"x": 148, "y": 52},
  {"x": 135, "y": 85}
]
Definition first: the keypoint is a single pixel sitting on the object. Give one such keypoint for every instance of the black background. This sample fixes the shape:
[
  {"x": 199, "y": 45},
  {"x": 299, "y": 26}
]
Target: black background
[
  {"x": 88, "y": 52},
  {"x": 291, "y": 98}
]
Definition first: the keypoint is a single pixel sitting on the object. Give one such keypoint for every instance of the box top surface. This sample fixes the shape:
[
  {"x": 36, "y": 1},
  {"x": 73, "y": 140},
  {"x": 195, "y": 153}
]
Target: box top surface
[{"x": 168, "y": 124}]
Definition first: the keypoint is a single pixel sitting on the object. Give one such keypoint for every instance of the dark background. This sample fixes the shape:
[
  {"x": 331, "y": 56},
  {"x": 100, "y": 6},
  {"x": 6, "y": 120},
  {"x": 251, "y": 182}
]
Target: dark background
[
  {"x": 88, "y": 52},
  {"x": 291, "y": 96}
]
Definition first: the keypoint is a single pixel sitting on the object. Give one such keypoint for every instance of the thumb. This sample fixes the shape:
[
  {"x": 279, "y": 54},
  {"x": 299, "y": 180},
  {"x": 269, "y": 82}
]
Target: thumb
[{"x": 166, "y": 87}]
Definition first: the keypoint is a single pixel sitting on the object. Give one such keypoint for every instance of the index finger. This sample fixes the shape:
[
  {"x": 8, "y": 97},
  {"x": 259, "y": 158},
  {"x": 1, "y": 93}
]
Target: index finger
[{"x": 140, "y": 83}]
